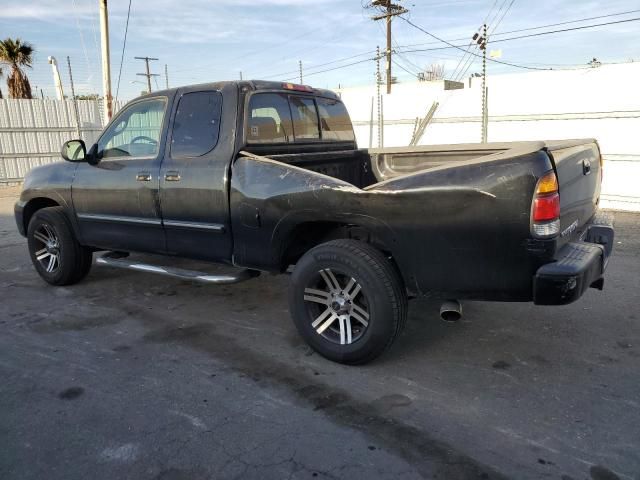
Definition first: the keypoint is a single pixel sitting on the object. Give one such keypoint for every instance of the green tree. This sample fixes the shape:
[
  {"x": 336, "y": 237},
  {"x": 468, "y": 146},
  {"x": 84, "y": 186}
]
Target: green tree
[{"x": 17, "y": 55}]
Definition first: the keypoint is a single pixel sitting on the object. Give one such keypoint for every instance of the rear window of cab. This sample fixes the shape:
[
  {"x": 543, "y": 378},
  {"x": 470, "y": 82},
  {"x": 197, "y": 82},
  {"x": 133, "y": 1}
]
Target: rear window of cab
[{"x": 287, "y": 118}]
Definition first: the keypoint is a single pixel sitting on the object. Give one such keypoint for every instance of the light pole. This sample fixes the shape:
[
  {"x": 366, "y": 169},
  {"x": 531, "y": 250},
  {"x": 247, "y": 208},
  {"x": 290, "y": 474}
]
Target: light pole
[{"x": 56, "y": 77}]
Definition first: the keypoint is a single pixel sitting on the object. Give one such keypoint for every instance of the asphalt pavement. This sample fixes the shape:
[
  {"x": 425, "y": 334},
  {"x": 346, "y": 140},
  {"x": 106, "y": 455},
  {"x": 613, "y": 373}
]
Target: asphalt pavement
[{"x": 134, "y": 376}]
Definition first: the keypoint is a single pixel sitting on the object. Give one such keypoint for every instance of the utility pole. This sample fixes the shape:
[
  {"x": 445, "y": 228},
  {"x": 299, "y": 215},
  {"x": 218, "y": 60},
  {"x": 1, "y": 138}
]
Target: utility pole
[
  {"x": 147, "y": 73},
  {"x": 240, "y": 74},
  {"x": 391, "y": 10},
  {"x": 75, "y": 100},
  {"x": 166, "y": 76},
  {"x": 378, "y": 96},
  {"x": 300, "y": 67},
  {"x": 106, "y": 60},
  {"x": 485, "y": 114},
  {"x": 371, "y": 126}
]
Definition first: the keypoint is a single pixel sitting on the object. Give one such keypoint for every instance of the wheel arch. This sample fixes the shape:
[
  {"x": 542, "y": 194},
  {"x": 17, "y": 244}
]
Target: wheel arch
[
  {"x": 307, "y": 234},
  {"x": 33, "y": 205}
]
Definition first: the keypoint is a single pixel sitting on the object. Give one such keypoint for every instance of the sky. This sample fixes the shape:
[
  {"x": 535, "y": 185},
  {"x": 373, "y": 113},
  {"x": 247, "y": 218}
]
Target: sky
[{"x": 207, "y": 40}]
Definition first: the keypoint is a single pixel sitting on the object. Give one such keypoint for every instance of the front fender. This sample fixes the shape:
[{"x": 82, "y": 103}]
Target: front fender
[{"x": 45, "y": 186}]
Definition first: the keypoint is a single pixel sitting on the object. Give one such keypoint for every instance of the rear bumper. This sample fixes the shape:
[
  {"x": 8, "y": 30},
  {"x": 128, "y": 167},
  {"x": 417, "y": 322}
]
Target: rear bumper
[{"x": 578, "y": 265}]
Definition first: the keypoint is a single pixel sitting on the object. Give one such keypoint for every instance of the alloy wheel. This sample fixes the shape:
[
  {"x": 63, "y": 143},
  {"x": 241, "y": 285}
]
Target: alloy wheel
[
  {"x": 48, "y": 251},
  {"x": 337, "y": 306}
]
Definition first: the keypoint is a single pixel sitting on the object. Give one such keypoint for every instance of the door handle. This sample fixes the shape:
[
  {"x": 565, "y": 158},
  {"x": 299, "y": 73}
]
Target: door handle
[
  {"x": 586, "y": 167},
  {"x": 172, "y": 176},
  {"x": 143, "y": 177}
]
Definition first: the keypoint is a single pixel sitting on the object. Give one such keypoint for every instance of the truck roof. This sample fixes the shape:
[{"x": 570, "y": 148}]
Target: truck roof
[{"x": 251, "y": 85}]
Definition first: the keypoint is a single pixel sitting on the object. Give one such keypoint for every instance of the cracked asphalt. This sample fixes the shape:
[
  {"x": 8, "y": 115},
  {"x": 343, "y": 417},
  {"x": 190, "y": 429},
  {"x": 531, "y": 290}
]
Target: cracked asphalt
[{"x": 134, "y": 376}]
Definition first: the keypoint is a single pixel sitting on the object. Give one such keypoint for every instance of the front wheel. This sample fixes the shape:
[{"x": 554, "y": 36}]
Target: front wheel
[
  {"x": 54, "y": 250},
  {"x": 347, "y": 301}
]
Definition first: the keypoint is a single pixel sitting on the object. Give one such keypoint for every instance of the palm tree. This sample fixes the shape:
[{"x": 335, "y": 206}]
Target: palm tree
[
  {"x": 0, "y": 89},
  {"x": 17, "y": 55}
]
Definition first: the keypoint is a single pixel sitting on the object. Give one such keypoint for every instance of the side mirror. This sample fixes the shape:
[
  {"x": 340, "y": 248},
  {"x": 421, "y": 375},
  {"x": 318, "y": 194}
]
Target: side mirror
[
  {"x": 74, "y": 151},
  {"x": 92, "y": 155}
]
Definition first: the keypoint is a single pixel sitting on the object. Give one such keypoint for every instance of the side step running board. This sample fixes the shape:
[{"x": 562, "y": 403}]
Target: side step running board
[{"x": 119, "y": 260}]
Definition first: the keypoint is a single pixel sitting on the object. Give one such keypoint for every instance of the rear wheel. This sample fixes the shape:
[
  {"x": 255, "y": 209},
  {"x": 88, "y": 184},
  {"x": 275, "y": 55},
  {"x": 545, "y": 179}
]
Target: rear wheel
[
  {"x": 54, "y": 250},
  {"x": 347, "y": 301}
]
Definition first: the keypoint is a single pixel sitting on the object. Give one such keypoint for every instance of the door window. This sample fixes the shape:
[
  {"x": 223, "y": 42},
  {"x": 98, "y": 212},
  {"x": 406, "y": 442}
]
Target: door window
[
  {"x": 197, "y": 124},
  {"x": 135, "y": 132}
]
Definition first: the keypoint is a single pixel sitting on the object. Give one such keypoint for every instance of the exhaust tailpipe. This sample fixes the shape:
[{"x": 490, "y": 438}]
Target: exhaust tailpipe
[{"x": 451, "y": 311}]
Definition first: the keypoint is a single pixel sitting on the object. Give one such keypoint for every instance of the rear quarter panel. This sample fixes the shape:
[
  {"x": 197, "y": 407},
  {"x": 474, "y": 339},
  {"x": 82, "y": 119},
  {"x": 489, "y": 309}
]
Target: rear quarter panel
[{"x": 459, "y": 231}]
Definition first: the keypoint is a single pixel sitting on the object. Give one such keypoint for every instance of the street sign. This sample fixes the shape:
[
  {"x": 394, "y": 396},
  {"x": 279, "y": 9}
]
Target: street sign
[{"x": 451, "y": 85}]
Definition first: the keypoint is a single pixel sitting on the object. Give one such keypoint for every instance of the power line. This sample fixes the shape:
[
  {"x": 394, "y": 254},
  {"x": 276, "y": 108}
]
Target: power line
[
  {"x": 535, "y": 28},
  {"x": 451, "y": 45},
  {"x": 502, "y": 17},
  {"x": 413, "y": 74},
  {"x": 84, "y": 47},
  {"x": 469, "y": 63},
  {"x": 252, "y": 52},
  {"x": 497, "y": 14},
  {"x": 124, "y": 44},
  {"x": 495, "y": 2},
  {"x": 332, "y": 69},
  {"x": 320, "y": 65},
  {"x": 567, "y": 29},
  {"x": 471, "y": 45},
  {"x": 406, "y": 60},
  {"x": 465, "y": 68},
  {"x": 460, "y": 47},
  {"x": 569, "y": 22}
]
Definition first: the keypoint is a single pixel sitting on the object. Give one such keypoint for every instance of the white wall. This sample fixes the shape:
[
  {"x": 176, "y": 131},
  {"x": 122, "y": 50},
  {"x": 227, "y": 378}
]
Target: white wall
[
  {"x": 33, "y": 131},
  {"x": 603, "y": 103}
]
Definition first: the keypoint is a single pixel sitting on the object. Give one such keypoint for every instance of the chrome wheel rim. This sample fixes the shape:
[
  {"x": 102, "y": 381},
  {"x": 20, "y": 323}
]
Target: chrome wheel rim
[
  {"x": 338, "y": 308},
  {"x": 47, "y": 251}
]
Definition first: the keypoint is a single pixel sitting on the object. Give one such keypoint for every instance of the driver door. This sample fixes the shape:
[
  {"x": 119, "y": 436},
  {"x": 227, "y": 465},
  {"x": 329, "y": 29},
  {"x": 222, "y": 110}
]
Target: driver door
[{"x": 116, "y": 201}]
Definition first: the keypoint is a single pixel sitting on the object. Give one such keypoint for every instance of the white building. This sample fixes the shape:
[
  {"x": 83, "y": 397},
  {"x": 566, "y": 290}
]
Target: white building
[{"x": 601, "y": 102}]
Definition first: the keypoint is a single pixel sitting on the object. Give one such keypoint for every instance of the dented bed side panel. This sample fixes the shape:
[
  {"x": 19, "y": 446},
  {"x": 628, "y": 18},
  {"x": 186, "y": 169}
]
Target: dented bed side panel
[{"x": 460, "y": 230}]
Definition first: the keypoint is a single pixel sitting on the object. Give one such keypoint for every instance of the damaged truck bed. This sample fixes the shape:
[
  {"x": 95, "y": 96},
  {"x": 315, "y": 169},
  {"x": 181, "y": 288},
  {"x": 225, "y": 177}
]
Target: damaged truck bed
[{"x": 267, "y": 177}]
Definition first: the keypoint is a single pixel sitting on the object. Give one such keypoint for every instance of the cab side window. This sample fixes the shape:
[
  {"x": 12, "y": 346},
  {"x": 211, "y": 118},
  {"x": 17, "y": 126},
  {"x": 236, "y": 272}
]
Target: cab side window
[
  {"x": 334, "y": 120},
  {"x": 196, "y": 126},
  {"x": 135, "y": 131}
]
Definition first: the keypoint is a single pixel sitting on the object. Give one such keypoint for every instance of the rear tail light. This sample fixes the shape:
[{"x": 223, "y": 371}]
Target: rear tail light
[
  {"x": 546, "y": 208},
  {"x": 545, "y": 211}
]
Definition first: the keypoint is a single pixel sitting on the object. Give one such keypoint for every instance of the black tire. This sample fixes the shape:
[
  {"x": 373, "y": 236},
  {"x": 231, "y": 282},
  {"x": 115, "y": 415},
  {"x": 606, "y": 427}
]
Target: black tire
[
  {"x": 379, "y": 292},
  {"x": 73, "y": 261}
]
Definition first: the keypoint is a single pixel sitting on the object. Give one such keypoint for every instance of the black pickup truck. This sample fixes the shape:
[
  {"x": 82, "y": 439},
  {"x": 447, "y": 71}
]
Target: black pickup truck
[{"x": 267, "y": 177}]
